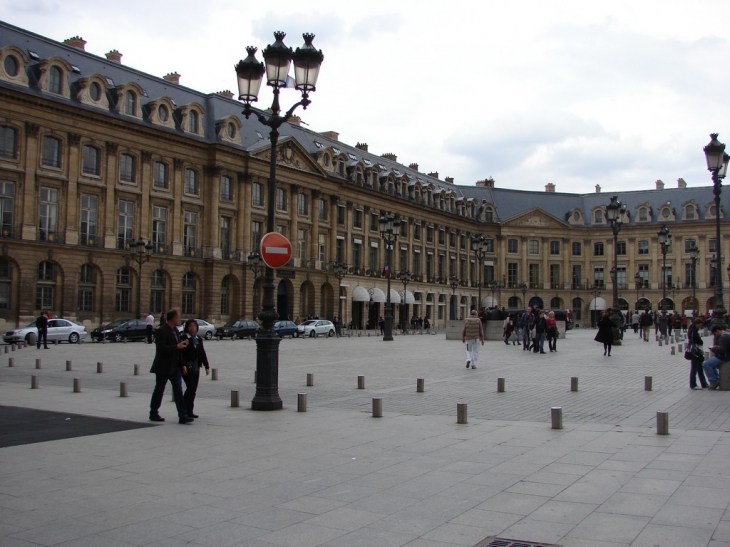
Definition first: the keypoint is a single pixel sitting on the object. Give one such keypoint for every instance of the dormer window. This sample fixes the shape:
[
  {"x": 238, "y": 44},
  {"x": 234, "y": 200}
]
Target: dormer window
[
  {"x": 326, "y": 160},
  {"x": 576, "y": 216},
  {"x": 231, "y": 130},
  {"x": 163, "y": 113},
  {"x": 11, "y": 65},
  {"x": 55, "y": 82},
  {"x": 95, "y": 91},
  {"x": 193, "y": 122},
  {"x": 643, "y": 214},
  {"x": 130, "y": 103},
  {"x": 666, "y": 212},
  {"x": 599, "y": 217},
  {"x": 690, "y": 213}
]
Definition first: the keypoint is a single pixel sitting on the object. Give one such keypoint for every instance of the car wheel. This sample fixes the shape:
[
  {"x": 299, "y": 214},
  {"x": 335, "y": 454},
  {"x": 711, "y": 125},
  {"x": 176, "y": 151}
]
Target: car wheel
[
  {"x": 209, "y": 335},
  {"x": 118, "y": 337},
  {"x": 331, "y": 333},
  {"x": 295, "y": 334},
  {"x": 27, "y": 337},
  {"x": 73, "y": 338},
  {"x": 312, "y": 333}
]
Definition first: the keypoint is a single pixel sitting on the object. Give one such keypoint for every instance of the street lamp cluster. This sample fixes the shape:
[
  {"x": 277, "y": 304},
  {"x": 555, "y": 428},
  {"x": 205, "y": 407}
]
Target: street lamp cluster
[
  {"x": 390, "y": 228},
  {"x": 480, "y": 246},
  {"x": 140, "y": 251}
]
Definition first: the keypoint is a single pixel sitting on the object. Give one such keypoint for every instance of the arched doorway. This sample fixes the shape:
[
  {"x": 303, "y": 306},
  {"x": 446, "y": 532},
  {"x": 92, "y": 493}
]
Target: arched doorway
[
  {"x": 643, "y": 304},
  {"x": 595, "y": 307},
  {"x": 360, "y": 298},
  {"x": 283, "y": 299},
  {"x": 666, "y": 304},
  {"x": 690, "y": 303},
  {"x": 556, "y": 303},
  {"x": 536, "y": 301},
  {"x": 514, "y": 302},
  {"x": 377, "y": 297},
  {"x": 327, "y": 305},
  {"x": 710, "y": 304},
  {"x": 306, "y": 300},
  {"x": 623, "y": 304}
]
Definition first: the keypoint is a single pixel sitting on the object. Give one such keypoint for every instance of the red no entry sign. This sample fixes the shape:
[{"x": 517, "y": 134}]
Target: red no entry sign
[{"x": 275, "y": 250}]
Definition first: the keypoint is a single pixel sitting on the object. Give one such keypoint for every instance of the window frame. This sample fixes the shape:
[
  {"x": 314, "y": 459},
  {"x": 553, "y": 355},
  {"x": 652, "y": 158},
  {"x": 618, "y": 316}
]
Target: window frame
[
  {"x": 127, "y": 168},
  {"x": 53, "y": 162}
]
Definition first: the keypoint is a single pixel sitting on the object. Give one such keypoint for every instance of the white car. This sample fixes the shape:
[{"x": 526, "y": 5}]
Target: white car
[
  {"x": 62, "y": 330},
  {"x": 205, "y": 329},
  {"x": 315, "y": 327}
]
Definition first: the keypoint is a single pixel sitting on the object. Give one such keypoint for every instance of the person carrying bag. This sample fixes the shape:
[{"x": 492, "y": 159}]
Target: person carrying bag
[{"x": 193, "y": 357}]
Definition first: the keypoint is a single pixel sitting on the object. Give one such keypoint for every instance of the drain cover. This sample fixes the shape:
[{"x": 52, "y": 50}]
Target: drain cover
[{"x": 493, "y": 541}]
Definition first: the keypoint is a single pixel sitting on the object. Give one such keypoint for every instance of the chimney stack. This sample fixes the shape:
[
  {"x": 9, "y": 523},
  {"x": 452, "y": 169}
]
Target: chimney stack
[
  {"x": 487, "y": 183},
  {"x": 550, "y": 187},
  {"x": 389, "y": 156},
  {"x": 435, "y": 174},
  {"x": 659, "y": 185},
  {"x": 296, "y": 120},
  {"x": 114, "y": 56},
  {"x": 228, "y": 94},
  {"x": 450, "y": 180},
  {"x": 362, "y": 146},
  {"x": 172, "y": 77},
  {"x": 413, "y": 166},
  {"x": 76, "y": 41},
  {"x": 681, "y": 183},
  {"x": 334, "y": 135},
  {"x": 598, "y": 188}
]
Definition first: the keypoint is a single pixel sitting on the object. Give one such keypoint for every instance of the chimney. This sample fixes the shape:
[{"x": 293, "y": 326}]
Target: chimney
[
  {"x": 76, "y": 41},
  {"x": 296, "y": 120},
  {"x": 334, "y": 135},
  {"x": 228, "y": 94},
  {"x": 450, "y": 180},
  {"x": 550, "y": 187},
  {"x": 172, "y": 77},
  {"x": 390, "y": 156},
  {"x": 413, "y": 166},
  {"x": 681, "y": 183},
  {"x": 659, "y": 185},
  {"x": 114, "y": 56},
  {"x": 362, "y": 146},
  {"x": 487, "y": 183},
  {"x": 598, "y": 188},
  {"x": 435, "y": 174}
]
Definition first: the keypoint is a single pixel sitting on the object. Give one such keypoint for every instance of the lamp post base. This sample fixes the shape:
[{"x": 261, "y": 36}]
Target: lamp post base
[
  {"x": 617, "y": 334},
  {"x": 388, "y": 329},
  {"x": 267, "y": 373}
]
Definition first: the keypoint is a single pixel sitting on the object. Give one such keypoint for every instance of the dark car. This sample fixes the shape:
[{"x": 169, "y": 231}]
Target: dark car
[
  {"x": 243, "y": 328},
  {"x": 286, "y": 328},
  {"x": 118, "y": 331}
]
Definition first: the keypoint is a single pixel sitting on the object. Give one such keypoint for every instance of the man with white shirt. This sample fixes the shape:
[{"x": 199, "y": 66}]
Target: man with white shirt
[{"x": 150, "y": 323}]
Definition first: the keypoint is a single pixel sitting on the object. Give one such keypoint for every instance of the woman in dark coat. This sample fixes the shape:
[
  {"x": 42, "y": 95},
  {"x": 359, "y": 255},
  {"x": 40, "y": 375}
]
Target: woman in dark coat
[
  {"x": 193, "y": 357},
  {"x": 605, "y": 332},
  {"x": 695, "y": 344}
]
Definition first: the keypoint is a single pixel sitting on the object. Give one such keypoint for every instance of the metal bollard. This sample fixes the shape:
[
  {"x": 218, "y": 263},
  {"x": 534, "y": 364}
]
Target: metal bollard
[
  {"x": 234, "y": 398},
  {"x": 310, "y": 379},
  {"x": 34, "y": 382},
  {"x": 39, "y": 363},
  {"x": 77, "y": 385},
  {"x": 99, "y": 367},
  {"x": 420, "y": 385},
  {"x": 662, "y": 423},
  {"x": 214, "y": 374},
  {"x": 574, "y": 383},
  {"x": 361, "y": 382},
  {"x": 461, "y": 416},
  {"x": 500, "y": 385},
  {"x": 123, "y": 389},
  {"x": 11, "y": 362},
  {"x": 556, "y": 417},
  {"x": 69, "y": 366},
  {"x": 377, "y": 407},
  {"x": 302, "y": 402},
  {"x": 136, "y": 370},
  {"x": 647, "y": 383}
]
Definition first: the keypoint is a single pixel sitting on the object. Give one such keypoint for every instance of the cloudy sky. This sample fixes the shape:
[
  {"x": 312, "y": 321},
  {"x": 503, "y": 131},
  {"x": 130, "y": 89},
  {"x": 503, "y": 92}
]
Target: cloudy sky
[{"x": 576, "y": 93}]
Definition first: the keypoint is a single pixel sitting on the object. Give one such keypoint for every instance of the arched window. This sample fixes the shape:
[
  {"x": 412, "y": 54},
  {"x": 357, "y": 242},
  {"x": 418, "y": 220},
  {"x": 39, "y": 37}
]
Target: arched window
[
  {"x": 326, "y": 160},
  {"x": 11, "y": 65},
  {"x": 157, "y": 292},
  {"x": 193, "y": 122},
  {"x": 188, "y": 295},
  {"x": 599, "y": 216},
  {"x": 55, "y": 80},
  {"x": 643, "y": 214},
  {"x": 51, "y": 152},
  {"x": 556, "y": 302},
  {"x": 87, "y": 288},
  {"x": 690, "y": 212},
  {"x": 45, "y": 287},
  {"x": 130, "y": 103},
  {"x": 5, "y": 282},
  {"x": 124, "y": 290},
  {"x": 513, "y": 302},
  {"x": 225, "y": 308}
]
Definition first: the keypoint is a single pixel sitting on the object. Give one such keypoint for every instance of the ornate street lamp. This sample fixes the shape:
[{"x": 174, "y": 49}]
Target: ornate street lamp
[
  {"x": 405, "y": 277},
  {"x": 340, "y": 270},
  {"x": 638, "y": 284},
  {"x": 389, "y": 231},
  {"x": 694, "y": 254},
  {"x": 665, "y": 240},
  {"x": 615, "y": 212},
  {"x": 479, "y": 247},
  {"x": 454, "y": 282},
  {"x": 140, "y": 251},
  {"x": 523, "y": 287},
  {"x": 254, "y": 264},
  {"x": 250, "y": 72},
  {"x": 717, "y": 162},
  {"x": 595, "y": 290}
]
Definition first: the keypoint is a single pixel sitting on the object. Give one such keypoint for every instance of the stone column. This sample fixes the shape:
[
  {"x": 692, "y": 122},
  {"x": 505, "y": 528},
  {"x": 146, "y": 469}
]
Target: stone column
[
  {"x": 146, "y": 186},
  {"x": 333, "y": 230},
  {"x": 243, "y": 230},
  {"x": 294, "y": 220},
  {"x": 110, "y": 210},
  {"x": 72, "y": 202},
  {"x": 175, "y": 217},
  {"x": 29, "y": 216},
  {"x": 314, "y": 232},
  {"x": 209, "y": 221}
]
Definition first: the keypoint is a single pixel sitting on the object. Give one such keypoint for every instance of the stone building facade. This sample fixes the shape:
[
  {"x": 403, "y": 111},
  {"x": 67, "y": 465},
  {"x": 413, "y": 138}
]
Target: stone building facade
[{"x": 95, "y": 154}]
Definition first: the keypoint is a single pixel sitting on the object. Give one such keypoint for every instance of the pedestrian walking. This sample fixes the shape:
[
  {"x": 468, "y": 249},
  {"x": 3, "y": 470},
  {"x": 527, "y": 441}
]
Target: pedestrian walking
[
  {"x": 694, "y": 350},
  {"x": 635, "y": 321},
  {"x": 528, "y": 324},
  {"x": 517, "y": 325},
  {"x": 41, "y": 324},
  {"x": 540, "y": 332},
  {"x": 552, "y": 332},
  {"x": 193, "y": 357},
  {"x": 720, "y": 355},
  {"x": 167, "y": 367},
  {"x": 507, "y": 328},
  {"x": 149, "y": 322},
  {"x": 646, "y": 322},
  {"x": 381, "y": 325},
  {"x": 472, "y": 335},
  {"x": 605, "y": 332}
]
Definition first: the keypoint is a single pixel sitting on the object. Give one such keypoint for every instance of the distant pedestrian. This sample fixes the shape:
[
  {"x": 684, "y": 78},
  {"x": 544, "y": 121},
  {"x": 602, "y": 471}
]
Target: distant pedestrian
[
  {"x": 507, "y": 328},
  {"x": 605, "y": 332},
  {"x": 167, "y": 367},
  {"x": 694, "y": 348},
  {"x": 150, "y": 326},
  {"x": 528, "y": 324},
  {"x": 552, "y": 332},
  {"x": 646, "y": 321},
  {"x": 540, "y": 332},
  {"x": 635, "y": 321},
  {"x": 41, "y": 324},
  {"x": 193, "y": 357},
  {"x": 381, "y": 325},
  {"x": 472, "y": 335}
]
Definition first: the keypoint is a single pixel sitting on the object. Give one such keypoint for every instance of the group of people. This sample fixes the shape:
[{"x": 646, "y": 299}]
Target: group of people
[
  {"x": 419, "y": 323},
  {"x": 531, "y": 329}
]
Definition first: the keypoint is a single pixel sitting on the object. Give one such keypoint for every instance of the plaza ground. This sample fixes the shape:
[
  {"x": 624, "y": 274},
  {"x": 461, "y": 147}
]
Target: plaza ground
[{"x": 336, "y": 476}]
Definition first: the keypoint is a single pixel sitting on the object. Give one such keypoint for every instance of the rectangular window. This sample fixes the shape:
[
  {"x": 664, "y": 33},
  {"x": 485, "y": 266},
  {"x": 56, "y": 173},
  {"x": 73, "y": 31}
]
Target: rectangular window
[
  {"x": 7, "y": 201},
  {"x": 621, "y": 247},
  {"x": 85, "y": 300},
  {"x": 598, "y": 276},
  {"x": 373, "y": 258},
  {"x": 280, "y": 199},
  {"x": 689, "y": 244},
  {"x": 7, "y": 143},
  {"x": 225, "y": 236},
  {"x": 442, "y": 237},
  {"x": 159, "y": 175},
  {"x": 257, "y": 196},
  {"x": 621, "y": 278},
  {"x": 452, "y": 267},
  {"x": 121, "y": 299},
  {"x": 512, "y": 246},
  {"x": 44, "y": 297},
  {"x": 157, "y": 300},
  {"x": 429, "y": 234},
  {"x": 554, "y": 248},
  {"x": 534, "y": 247},
  {"x": 188, "y": 303},
  {"x": 191, "y": 182},
  {"x": 712, "y": 245},
  {"x": 667, "y": 275},
  {"x": 598, "y": 249},
  {"x": 577, "y": 248},
  {"x": 488, "y": 273},
  {"x": 577, "y": 277},
  {"x": 452, "y": 239},
  {"x": 127, "y": 168},
  {"x": 159, "y": 227},
  {"x": 534, "y": 276},
  {"x": 89, "y": 215},
  {"x": 462, "y": 242},
  {"x": 644, "y": 275},
  {"x": 356, "y": 255},
  {"x": 226, "y": 189},
  {"x": 689, "y": 275},
  {"x": 489, "y": 245},
  {"x": 51, "y": 152},
  {"x": 429, "y": 265},
  {"x": 512, "y": 274},
  {"x": 256, "y": 233},
  {"x": 403, "y": 259},
  {"x": 341, "y": 215},
  {"x": 374, "y": 222},
  {"x": 462, "y": 269},
  {"x": 441, "y": 273},
  {"x": 48, "y": 214},
  {"x": 90, "y": 161},
  {"x": 302, "y": 204},
  {"x": 190, "y": 231},
  {"x": 416, "y": 263},
  {"x": 322, "y": 248},
  {"x": 322, "y": 209},
  {"x": 357, "y": 219},
  {"x": 417, "y": 232},
  {"x": 302, "y": 244},
  {"x": 125, "y": 223},
  {"x": 643, "y": 247},
  {"x": 340, "y": 250},
  {"x": 555, "y": 281}
]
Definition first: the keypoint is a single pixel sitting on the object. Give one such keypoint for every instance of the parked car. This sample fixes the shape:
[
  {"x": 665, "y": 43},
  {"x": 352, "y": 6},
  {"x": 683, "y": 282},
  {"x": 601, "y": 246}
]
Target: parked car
[
  {"x": 286, "y": 328},
  {"x": 243, "y": 328},
  {"x": 130, "y": 329},
  {"x": 315, "y": 327},
  {"x": 205, "y": 329},
  {"x": 62, "y": 330}
]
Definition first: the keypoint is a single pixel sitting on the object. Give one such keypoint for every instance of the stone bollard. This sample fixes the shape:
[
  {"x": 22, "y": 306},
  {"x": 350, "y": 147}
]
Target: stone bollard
[
  {"x": 302, "y": 402},
  {"x": 124, "y": 340},
  {"x": 69, "y": 366},
  {"x": 656, "y": 338},
  {"x": 661, "y": 343},
  {"x": 12, "y": 348},
  {"x": 680, "y": 347},
  {"x": 234, "y": 398},
  {"x": 361, "y": 382},
  {"x": 377, "y": 407},
  {"x": 6, "y": 349},
  {"x": 39, "y": 363},
  {"x": 103, "y": 339},
  {"x": 662, "y": 423},
  {"x": 420, "y": 385},
  {"x": 136, "y": 370},
  {"x": 461, "y": 417},
  {"x": 672, "y": 351},
  {"x": 556, "y": 417},
  {"x": 77, "y": 385},
  {"x": 55, "y": 342},
  {"x": 34, "y": 382},
  {"x": 11, "y": 362},
  {"x": 123, "y": 389},
  {"x": 214, "y": 374},
  {"x": 310, "y": 379},
  {"x": 99, "y": 367},
  {"x": 574, "y": 383},
  {"x": 500, "y": 385},
  {"x": 647, "y": 383},
  {"x": 707, "y": 355}
]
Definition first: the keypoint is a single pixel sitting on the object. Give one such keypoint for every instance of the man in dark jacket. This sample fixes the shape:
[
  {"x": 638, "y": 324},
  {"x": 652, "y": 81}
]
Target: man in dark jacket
[
  {"x": 168, "y": 366},
  {"x": 42, "y": 325}
]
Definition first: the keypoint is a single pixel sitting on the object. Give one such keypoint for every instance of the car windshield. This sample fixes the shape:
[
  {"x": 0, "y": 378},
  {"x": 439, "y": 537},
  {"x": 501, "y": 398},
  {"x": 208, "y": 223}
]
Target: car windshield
[
  {"x": 310, "y": 322},
  {"x": 115, "y": 323},
  {"x": 31, "y": 324}
]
